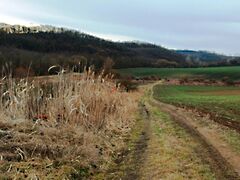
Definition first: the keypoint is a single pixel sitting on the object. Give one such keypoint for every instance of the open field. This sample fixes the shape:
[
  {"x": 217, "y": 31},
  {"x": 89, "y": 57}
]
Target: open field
[
  {"x": 147, "y": 90},
  {"x": 218, "y": 73},
  {"x": 220, "y": 102}
]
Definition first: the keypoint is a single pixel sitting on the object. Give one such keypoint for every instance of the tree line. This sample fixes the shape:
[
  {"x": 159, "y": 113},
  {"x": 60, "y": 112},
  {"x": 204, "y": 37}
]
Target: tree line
[{"x": 36, "y": 52}]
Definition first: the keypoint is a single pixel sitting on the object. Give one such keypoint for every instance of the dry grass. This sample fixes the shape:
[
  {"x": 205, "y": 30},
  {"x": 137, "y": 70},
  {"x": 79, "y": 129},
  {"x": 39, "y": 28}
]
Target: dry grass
[
  {"x": 171, "y": 152},
  {"x": 65, "y": 128}
]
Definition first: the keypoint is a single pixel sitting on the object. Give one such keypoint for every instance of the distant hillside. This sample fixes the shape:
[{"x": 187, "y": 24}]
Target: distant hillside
[
  {"x": 43, "y": 46},
  {"x": 204, "y": 56}
]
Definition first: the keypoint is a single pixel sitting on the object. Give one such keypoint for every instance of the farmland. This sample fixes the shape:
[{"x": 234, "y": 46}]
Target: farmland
[
  {"x": 220, "y": 102},
  {"x": 218, "y": 73},
  {"x": 147, "y": 90}
]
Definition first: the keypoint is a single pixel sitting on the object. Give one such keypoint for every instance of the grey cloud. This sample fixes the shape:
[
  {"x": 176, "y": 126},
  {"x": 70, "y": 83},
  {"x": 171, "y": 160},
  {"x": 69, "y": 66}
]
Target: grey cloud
[{"x": 193, "y": 24}]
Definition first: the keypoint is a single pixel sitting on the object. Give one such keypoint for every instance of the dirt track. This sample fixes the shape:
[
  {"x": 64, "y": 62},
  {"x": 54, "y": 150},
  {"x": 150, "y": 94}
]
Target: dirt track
[
  {"x": 148, "y": 159},
  {"x": 224, "y": 161}
]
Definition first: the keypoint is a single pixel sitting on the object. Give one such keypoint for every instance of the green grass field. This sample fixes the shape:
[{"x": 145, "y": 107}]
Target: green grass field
[
  {"x": 221, "y": 101},
  {"x": 232, "y": 73}
]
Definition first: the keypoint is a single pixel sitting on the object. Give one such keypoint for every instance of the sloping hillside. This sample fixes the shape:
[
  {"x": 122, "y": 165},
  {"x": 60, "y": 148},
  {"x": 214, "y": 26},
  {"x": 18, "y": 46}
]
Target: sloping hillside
[
  {"x": 47, "y": 44},
  {"x": 204, "y": 56}
]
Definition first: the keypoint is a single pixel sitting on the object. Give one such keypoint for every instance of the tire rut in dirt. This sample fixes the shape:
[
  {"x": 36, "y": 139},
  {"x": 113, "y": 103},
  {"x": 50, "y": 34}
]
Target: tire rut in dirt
[
  {"x": 207, "y": 152},
  {"x": 138, "y": 156}
]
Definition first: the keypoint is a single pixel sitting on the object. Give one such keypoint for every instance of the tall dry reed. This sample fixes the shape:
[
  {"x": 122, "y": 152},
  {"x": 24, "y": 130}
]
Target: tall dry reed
[{"x": 77, "y": 118}]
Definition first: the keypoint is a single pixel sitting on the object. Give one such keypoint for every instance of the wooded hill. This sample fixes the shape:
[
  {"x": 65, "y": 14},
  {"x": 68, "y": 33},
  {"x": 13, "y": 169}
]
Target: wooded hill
[{"x": 35, "y": 50}]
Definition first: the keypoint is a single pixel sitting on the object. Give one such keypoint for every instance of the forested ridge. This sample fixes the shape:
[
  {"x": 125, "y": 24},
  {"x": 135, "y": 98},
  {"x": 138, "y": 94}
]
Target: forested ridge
[{"x": 35, "y": 51}]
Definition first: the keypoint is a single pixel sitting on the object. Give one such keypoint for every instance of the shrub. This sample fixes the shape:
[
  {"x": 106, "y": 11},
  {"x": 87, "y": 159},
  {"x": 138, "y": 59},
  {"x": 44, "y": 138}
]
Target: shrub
[{"x": 127, "y": 84}]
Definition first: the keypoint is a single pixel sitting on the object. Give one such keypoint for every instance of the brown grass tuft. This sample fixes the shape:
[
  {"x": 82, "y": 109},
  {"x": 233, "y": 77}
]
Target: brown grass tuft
[{"x": 64, "y": 128}]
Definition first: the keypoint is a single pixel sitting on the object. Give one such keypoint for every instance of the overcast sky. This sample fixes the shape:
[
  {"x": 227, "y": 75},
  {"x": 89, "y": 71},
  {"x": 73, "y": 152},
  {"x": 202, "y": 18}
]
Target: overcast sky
[{"x": 212, "y": 25}]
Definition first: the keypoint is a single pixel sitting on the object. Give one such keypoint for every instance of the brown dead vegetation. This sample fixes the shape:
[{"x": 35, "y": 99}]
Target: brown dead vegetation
[
  {"x": 196, "y": 82},
  {"x": 69, "y": 127}
]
